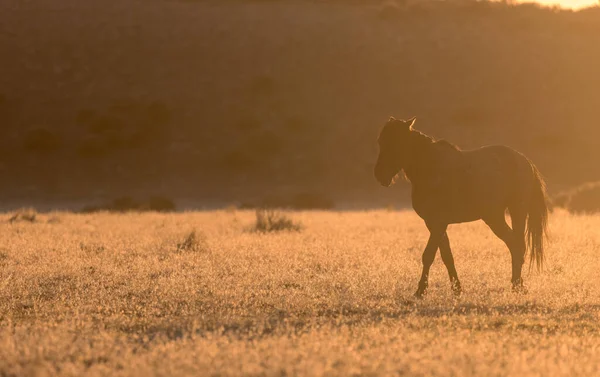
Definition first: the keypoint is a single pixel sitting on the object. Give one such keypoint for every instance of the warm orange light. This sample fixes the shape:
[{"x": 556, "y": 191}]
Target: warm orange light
[{"x": 570, "y": 4}]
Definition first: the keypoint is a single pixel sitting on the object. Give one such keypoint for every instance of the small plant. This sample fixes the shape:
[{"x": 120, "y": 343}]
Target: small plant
[
  {"x": 192, "y": 242},
  {"x": 24, "y": 215},
  {"x": 270, "y": 220}
]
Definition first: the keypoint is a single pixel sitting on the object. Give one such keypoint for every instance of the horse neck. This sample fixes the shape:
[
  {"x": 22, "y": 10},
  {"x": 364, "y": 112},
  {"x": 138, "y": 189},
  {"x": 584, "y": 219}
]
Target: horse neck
[{"x": 419, "y": 166}]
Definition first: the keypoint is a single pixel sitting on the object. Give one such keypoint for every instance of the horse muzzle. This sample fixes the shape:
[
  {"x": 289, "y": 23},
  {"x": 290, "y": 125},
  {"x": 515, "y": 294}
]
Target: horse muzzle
[{"x": 382, "y": 178}]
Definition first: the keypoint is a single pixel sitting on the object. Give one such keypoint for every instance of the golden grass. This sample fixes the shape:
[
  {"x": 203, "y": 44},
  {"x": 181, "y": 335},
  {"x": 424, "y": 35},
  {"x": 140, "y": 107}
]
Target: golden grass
[{"x": 114, "y": 294}]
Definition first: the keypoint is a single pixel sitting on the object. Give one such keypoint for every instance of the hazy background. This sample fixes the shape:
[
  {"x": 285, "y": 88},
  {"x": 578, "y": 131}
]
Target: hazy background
[{"x": 213, "y": 103}]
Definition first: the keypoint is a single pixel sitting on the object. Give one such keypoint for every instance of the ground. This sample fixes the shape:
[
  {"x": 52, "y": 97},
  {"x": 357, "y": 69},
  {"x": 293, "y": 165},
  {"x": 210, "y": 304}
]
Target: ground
[{"x": 200, "y": 293}]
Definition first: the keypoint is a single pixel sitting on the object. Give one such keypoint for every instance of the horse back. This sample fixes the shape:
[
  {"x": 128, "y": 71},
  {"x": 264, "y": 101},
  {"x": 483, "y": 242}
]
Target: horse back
[{"x": 467, "y": 184}]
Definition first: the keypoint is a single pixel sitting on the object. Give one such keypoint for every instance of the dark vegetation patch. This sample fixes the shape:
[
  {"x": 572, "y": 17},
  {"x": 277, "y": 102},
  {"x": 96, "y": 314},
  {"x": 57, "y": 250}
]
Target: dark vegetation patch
[
  {"x": 580, "y": 200},
  {"x": 271, "y": 220},
  {"x": 129, "y": 204},
  {"x": 193, "y": 242},
  {"x": 28, "y": 215}
]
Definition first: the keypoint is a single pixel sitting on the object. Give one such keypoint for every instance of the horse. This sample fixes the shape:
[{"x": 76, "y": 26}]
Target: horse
[{"x": 451, "y": 186}]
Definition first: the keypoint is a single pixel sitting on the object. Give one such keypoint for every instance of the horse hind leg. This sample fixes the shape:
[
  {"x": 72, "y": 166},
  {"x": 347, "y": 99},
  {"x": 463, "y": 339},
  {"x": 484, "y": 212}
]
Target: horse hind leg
[
  {"x": 498, "y": 225},
  {"x": 448, "y": 259},
  {"x": 518, "y": 219}
]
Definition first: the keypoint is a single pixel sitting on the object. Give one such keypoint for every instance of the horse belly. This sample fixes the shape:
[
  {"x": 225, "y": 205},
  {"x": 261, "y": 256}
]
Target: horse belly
[
  {"x": 445, "y": 208},
  {"x": 459, "y": 202}
]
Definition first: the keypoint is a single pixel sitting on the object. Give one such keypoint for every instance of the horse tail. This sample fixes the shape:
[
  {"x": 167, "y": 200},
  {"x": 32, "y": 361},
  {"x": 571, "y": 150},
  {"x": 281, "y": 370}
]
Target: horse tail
[{"x": 537, "y": 220}]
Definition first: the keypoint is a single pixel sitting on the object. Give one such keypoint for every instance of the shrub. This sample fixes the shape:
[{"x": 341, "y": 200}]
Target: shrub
[
  {"x": 24, "y": 215},
  {"x": 269, "y": 220},
  {"x": 585, "y": 199},
  {"x": 193, "y": 242}
]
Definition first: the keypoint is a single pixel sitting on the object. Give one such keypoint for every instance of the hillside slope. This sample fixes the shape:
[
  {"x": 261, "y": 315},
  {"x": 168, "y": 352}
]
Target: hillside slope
[{"x": 226, "y": 100}]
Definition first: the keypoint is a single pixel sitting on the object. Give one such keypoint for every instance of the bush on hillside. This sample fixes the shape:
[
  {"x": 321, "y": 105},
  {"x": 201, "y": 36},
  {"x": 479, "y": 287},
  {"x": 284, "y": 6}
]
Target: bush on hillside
[
  {"x": 129, "y": 204},
  {"x": 582, "y": 199},
  {"x": 585, "y": 199}
]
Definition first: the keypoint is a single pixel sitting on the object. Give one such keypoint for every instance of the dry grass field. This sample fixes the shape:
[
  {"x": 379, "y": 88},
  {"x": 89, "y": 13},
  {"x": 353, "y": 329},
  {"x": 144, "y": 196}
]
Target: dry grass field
[{"x": 200, "y": 293}]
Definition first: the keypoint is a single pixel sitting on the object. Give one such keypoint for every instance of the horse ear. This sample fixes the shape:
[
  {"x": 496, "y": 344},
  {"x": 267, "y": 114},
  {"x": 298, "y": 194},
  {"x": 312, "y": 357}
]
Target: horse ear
[
  {"x": 411, "y": 122},
  {"x": 391, "y": 119}
]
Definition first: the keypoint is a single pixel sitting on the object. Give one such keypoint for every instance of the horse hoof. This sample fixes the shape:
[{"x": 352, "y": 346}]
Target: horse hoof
[
  {"x": 457, "y": 291},
  {"x": 419, "y": 294},
  {"x": 520, "y": 289}
]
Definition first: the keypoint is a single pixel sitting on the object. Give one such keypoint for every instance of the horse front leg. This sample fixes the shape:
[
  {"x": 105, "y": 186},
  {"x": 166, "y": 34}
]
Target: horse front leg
[
  {"x": 448, "y": 259},
  {"x": 436, "y": 232}
]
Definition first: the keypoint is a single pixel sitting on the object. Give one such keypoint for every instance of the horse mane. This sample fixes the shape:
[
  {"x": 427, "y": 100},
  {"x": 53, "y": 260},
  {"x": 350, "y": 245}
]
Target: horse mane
[
  {"x": 423, "y": 138},
  {"x": 447, "y": 144}
]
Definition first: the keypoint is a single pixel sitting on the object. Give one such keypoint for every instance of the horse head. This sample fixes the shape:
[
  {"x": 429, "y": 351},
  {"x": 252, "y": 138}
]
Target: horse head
[{"x": 393, "y": 149}]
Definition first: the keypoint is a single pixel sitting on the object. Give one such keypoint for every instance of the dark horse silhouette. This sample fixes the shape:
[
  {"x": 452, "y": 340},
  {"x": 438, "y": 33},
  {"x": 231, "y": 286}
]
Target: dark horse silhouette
[{"x": 451, "y": 186}]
